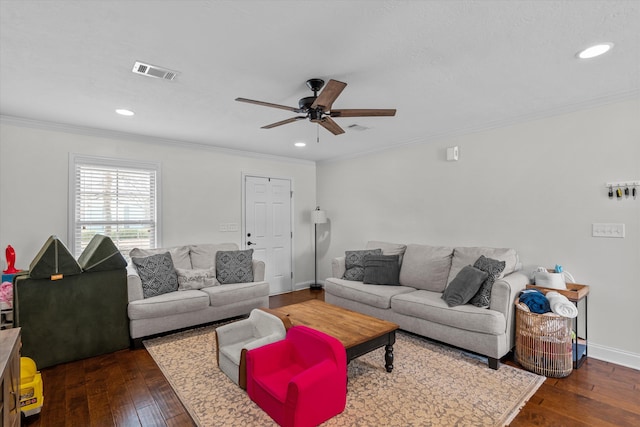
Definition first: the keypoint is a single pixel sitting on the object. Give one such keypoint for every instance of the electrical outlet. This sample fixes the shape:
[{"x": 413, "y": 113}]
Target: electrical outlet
[
  {"x": 223, "y": 227},
  {"x": 233, "y": 226},
  {"x": 607, "y": 230}
]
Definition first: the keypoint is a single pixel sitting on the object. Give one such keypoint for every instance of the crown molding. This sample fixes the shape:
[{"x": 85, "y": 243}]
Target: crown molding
[
  {"x": 498, "y": 124},
  {"x": 104, "y": 133}
]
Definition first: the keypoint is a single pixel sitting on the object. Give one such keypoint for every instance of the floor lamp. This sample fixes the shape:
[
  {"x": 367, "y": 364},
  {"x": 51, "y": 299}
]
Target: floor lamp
[{"x": 317, "y": 217}]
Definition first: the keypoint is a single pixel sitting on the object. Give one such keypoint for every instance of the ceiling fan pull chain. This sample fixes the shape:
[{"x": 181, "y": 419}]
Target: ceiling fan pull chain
[{"x": 317, "y": 133}]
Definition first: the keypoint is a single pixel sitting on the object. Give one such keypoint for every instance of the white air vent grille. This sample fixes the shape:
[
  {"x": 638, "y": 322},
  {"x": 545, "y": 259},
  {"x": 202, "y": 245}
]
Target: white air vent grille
[{"x": 154, "y": 71}]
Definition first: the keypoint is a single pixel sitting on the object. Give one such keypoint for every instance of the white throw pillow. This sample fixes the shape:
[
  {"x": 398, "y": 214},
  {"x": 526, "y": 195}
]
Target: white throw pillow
[{"x": 191, "y": 279}]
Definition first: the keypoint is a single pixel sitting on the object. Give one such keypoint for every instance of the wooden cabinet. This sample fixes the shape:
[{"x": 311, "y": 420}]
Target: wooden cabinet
[{"x": 10, "y": 381}]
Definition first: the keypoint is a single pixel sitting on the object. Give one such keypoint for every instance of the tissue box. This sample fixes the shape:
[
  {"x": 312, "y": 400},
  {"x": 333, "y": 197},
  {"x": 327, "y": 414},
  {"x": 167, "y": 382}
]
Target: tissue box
[{"x": 574, "y": 291}]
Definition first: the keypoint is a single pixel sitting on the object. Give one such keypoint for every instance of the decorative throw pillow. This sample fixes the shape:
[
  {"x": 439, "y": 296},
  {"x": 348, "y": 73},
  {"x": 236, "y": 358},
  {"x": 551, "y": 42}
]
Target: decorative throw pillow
[
  {"x": 464, "y": 286},
  {"x": 189, "y": 279},
  {"x": 493, "y": 268},
  {"x": 234, "y": 266},
  {"x": 354, "y": 263},
  {"x": 381, "y": 269},
  {"x": 156, "y": 274}
]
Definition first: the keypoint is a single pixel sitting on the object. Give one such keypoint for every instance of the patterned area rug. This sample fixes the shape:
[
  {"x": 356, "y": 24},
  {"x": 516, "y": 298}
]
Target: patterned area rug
[{"x": 431, "y": 385}]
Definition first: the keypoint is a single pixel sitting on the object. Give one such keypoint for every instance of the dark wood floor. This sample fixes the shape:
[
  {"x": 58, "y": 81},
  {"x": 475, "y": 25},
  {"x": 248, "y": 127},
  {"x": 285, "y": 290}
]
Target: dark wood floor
[{"x": 126, "y": 388}]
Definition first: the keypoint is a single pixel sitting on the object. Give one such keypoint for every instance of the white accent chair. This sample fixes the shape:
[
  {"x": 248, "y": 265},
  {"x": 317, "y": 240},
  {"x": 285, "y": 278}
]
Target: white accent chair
[{"x": 233, "y": 340}]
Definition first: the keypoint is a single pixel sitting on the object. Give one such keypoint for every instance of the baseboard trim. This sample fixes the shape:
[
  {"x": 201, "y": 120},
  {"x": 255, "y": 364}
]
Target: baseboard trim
[{"x": 614, "y": 355}]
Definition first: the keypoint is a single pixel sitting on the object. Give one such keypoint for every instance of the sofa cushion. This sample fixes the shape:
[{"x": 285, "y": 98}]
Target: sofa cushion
[
  {"x": 168, "y": 304},
  {"x": 179, "y": 255},
  {"x": 468, "y": 256},
  {"x": 53, "y": 259},
  {"x": 426, "y": 267},
  {"x": 388, "y": 248},
  {"x": 204, "y": 256},
  {"x": 235, "y": 293},
  {"x": 354, "y": 263},
  {"x": 101, "y": 254},
  {"x": 464, "y": 286},
  {"x": 493, "y": 267},
  {"x": 430, "y": 306},
  {"x": 234, "y": 266},
  {"x": 189, "y": 279},
  {"x": 381, "y": 269},
  {"x": 373, "y": 295},
  {"x": 156, "y": 274}
]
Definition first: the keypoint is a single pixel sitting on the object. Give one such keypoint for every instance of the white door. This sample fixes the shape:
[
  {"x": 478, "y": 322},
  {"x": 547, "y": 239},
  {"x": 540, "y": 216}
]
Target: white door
[{"x": 267, "y": 228}]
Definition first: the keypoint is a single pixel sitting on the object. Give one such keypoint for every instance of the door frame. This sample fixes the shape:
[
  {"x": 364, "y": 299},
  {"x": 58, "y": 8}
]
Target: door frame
[{"x": 243, "y": 225}]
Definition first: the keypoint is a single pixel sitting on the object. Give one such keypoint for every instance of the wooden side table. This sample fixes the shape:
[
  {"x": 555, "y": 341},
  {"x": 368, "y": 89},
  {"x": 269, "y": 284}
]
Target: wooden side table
[
  {"x": 10, "y": 377},
  {"x": 577, "y": 294}
]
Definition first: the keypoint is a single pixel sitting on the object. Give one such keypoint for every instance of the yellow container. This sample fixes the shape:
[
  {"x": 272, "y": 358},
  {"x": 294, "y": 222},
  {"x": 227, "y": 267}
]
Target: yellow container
[{"x": 31, "y": 397}]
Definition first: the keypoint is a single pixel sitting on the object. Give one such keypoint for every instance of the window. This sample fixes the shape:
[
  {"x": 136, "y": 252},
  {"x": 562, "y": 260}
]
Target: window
[{"x": 116, "y": 198}]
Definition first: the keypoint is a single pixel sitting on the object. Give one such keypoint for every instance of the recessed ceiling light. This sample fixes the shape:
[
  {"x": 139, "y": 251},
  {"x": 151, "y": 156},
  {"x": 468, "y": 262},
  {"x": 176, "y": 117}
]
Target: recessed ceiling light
[
  {"x": 300, "y": 144},
  {"x": 595, "y": 50},
  {"x": 124, "y": 112}
]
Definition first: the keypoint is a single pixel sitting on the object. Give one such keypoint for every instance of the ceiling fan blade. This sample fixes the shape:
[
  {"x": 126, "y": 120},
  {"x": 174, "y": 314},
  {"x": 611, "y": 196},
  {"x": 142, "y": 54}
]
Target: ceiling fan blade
[
  {"x": 269, "y": 104},
  {"x": 331, "y": 91},
  {"x": 283, "y": 122},
  {"x": 330, "y": 125},
  {"x": 363, "y": 112}
]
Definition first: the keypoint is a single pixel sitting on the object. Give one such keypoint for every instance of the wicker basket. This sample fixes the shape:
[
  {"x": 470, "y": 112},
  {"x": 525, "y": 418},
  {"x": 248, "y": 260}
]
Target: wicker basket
[{"x": 543, "y": 343}]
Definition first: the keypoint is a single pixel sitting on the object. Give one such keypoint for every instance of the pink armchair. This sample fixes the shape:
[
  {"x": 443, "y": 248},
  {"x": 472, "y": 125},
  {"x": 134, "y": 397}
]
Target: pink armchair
[{"x": 301, "y": 380}]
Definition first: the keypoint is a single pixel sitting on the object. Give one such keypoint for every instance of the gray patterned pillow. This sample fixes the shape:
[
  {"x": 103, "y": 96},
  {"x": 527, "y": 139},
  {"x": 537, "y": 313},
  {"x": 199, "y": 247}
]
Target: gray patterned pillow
[
  {"x": 234, "y": 266},
  {"x": 196, "y": 278},
  {"x": 156, "y": 274},
  {"x": 493, "y": 267},
  {"x": 354, "y": 263}
]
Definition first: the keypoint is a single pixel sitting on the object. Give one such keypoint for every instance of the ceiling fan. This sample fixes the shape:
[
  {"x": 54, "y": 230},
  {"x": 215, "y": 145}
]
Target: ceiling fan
[{"x": 317, "y": 108}]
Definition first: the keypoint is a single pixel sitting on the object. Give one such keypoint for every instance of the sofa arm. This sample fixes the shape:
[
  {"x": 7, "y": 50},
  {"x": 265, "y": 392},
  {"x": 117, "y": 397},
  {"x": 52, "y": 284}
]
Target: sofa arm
[
  {"x": 258, "y": 270},
  {"x": 505, "y": 291},
  {"x": 503, "y": 296},
  {"x": 134, "y": 284},
  {"x": 338, "y": 267}
]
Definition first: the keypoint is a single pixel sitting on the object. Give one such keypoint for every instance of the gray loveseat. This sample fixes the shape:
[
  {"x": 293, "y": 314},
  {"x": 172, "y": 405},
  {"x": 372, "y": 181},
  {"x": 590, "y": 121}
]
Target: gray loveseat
[
  {"x": 416, "y": 304},
  {"x": 185, "y": 308}
]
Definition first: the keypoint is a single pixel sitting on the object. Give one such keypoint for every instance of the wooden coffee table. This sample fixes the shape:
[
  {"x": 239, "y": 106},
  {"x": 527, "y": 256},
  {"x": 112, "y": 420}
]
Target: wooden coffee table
[{"x": 358, "y": 332}]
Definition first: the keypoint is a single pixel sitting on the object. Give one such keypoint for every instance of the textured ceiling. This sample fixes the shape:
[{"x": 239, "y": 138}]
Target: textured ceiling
[{"x": 446, "y": 66}]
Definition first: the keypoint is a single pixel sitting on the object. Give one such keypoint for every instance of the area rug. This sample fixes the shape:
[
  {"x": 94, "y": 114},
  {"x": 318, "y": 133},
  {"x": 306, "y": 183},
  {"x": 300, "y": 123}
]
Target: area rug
[{"x": 431, "y": 385}]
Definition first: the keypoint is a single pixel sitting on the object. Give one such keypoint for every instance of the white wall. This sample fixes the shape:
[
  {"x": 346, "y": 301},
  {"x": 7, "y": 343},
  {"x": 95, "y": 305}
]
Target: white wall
[
  {"x": 201, "y": 188},
  {"x": 536, "y": 186}
]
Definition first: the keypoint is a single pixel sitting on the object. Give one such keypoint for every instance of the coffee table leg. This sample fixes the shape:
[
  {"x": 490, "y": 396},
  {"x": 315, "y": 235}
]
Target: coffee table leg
[{"x": 388, "y": 357}]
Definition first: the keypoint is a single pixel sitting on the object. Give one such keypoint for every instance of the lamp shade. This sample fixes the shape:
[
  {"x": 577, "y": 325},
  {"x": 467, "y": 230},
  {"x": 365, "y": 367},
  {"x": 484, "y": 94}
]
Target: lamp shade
[{"x": 318, "y": 217}]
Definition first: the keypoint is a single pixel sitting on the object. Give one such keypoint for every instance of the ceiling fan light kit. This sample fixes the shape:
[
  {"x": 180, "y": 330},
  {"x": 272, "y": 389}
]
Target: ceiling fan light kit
[{"x": 318, "y": 108}]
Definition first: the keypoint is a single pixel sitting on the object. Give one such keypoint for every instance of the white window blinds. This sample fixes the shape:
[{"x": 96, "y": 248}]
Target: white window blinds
[{"x": 117, "y": 199}]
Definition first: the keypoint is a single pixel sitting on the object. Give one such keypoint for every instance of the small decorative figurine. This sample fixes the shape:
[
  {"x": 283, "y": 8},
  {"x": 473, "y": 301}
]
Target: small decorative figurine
[{"x": 11, "y": 261}]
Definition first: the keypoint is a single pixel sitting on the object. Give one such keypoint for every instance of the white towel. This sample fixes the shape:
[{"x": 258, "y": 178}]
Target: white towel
[{"x": 561, "y": 305}]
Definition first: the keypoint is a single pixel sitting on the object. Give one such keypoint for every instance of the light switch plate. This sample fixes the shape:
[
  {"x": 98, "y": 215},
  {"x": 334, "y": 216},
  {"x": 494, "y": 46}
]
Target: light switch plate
[{"x": 614, "y": 230}]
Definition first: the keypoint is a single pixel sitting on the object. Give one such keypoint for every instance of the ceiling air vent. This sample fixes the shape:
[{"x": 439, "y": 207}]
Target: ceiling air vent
[{"x": 154, "y": 71}]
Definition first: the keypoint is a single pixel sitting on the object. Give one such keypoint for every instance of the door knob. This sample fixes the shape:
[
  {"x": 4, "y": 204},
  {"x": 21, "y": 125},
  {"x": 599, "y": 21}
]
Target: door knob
[{"x": 250, "y": 243}]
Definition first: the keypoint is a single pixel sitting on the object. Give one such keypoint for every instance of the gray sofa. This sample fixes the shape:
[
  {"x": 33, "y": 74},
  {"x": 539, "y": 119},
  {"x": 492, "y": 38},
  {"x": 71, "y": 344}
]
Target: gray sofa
[
  {"x": 185, "y": 308},
  {"x": 416, "y": 304}
]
